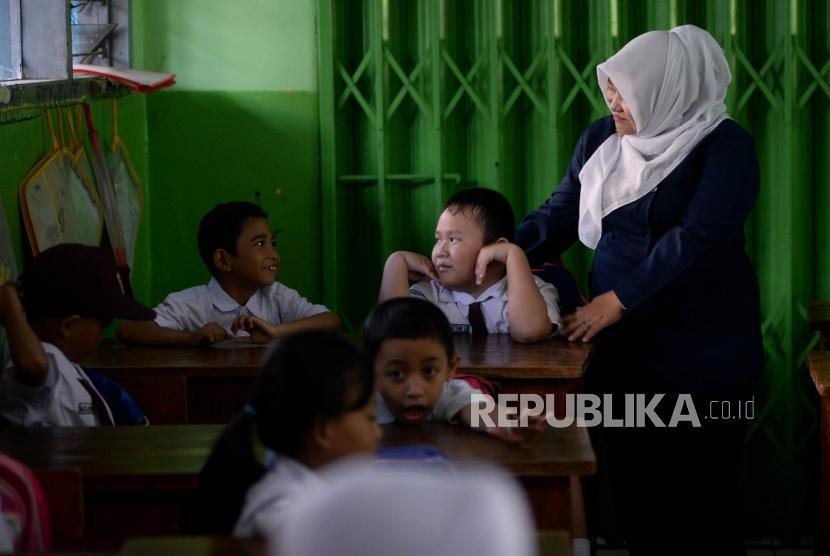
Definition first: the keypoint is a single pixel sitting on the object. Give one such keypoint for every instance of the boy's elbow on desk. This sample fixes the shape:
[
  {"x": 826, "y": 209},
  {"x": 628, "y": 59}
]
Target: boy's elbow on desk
[
  {"x": 531, "y": 335},
  {"x": 332, "y": 321}
]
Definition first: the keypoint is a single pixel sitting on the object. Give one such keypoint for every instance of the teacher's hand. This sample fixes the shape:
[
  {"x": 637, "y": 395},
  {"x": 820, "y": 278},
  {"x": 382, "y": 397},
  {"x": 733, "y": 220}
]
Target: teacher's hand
[{"x": 604, "y": 310}]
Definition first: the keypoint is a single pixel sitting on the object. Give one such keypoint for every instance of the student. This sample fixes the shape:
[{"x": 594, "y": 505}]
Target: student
[
  {"x": 477, "y": 276},
  {"x": 409, "y": 343},
  {"x": 313, "y": 405},
  {"x": 69, "y": 294},
  {"x": 238, "y": 247},
  {"x": 477, "y": 512}
]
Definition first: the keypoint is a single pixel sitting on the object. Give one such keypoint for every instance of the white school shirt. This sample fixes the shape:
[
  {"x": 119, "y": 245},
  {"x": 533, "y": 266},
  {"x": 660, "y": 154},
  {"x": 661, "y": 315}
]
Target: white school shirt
[
  {"x": 61, "y": 401},
  {"x": 270, "y": 500},
  {"x": 456, "y": 304},
  {"x": 454, "y": 397},
  {"x": 193, "y": 308}
]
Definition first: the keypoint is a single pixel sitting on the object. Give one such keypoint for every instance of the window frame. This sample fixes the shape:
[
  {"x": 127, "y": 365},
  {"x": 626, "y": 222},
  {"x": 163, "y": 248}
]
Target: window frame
[{"x": 16, "y": 57}]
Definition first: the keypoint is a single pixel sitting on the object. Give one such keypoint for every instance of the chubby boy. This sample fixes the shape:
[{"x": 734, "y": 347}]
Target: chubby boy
[
  {"x": 66, "y": 296},
  {"x": 241, "y": 300},
  {"x": 477, "y": 276}
]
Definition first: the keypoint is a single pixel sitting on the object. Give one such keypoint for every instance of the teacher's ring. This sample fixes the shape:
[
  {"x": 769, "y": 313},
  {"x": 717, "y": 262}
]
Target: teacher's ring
[{"x": 586, "y": 324}]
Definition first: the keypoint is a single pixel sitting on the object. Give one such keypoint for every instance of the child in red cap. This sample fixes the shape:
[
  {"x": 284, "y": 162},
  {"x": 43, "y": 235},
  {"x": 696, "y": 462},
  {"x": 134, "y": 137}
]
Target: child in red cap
[{"x": 54, "y": 319}]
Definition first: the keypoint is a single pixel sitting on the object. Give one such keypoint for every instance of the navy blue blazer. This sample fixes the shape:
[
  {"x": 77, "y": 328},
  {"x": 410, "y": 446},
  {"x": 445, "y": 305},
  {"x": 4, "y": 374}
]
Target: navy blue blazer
[{"x": 676, "y": 260}]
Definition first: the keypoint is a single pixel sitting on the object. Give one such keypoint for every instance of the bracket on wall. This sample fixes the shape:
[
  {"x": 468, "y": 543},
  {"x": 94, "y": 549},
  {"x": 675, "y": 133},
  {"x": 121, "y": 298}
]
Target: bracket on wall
[{"x": 52, "y": 93}]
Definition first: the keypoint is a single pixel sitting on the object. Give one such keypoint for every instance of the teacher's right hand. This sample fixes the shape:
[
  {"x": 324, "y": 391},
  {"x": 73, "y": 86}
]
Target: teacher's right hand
[{"x": 604, "y": 310}]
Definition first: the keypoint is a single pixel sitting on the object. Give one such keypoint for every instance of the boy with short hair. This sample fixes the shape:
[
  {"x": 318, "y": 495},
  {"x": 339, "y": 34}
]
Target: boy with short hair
[
  {"x": 409, "y": 343},
  {"x": 69, "y": 293},
  {"x": 477, "y": 276},
  {"x": 238, "y": 247}
]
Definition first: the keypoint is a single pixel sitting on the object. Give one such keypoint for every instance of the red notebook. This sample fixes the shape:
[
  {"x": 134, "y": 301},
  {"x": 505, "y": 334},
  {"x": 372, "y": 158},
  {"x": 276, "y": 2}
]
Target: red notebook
[{"x": 139, "y": 80}]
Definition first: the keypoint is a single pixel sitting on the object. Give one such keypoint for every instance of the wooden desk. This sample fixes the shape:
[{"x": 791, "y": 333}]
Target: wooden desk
[
  {"x": 193, "y": 546},
  {"x": 819, "y": 364},
  {"x": 136, "y": 479},
  {"x": 214, "y": 382},
  {"x": 551, "y": 543},
  {"x": 818, "y": 316}
]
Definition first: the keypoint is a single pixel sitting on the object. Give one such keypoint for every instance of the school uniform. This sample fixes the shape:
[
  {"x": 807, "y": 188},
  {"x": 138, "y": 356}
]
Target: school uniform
[
  {"x": 455, "y": 396},
  {"x": 193, "y": 308},
  {"x": 269, "y": 500},
  {"x": 456, "y": 304},
  {"x": 65, "y": 399}
]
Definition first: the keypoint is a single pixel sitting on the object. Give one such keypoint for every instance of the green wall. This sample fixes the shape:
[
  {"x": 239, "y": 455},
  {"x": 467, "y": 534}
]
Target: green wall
[{"x": 240, "y": 124}]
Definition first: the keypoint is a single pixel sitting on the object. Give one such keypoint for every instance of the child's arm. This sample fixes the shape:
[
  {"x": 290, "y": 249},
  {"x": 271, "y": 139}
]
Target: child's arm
[
  {"x": 400, "y": 268},
  {"x": 148, "y": 333},
  {"x": 262, "y": 331},
  {"x": 517, "y": 434},
  {"x": 527, "y": 312},
  {"x": 30, "y": 361}
]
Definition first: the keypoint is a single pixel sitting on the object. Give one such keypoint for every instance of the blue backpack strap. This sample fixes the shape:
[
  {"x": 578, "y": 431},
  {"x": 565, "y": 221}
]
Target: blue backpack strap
[{"x": 124, "y": 408}]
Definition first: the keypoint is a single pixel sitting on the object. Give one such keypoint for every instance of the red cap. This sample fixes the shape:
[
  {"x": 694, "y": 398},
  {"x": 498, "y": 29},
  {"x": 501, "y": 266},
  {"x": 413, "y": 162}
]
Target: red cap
[{"x": 73, "y": 279}]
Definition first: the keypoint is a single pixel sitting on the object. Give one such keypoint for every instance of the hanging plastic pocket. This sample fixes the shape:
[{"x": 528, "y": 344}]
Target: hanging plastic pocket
[
  {"x": 129, "y": 194},
  {"x": 57, "y": 199}
]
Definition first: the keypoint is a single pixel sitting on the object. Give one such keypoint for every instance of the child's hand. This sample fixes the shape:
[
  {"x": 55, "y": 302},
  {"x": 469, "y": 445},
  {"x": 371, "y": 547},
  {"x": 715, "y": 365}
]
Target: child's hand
[
  {"x": 9, "y": 300},
  {"x": 418, "y": 266},
  {"x": 210, "y": 333},
  {"x": 535, "y": 425},
  {"x": 260, "y": 331},
  {"x": 495, "y": 253}
]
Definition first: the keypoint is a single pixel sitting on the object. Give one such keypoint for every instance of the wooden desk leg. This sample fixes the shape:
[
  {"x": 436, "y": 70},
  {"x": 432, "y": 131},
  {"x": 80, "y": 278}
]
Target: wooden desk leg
[
  {"x": 550, "y": 500},
  {"x": 825, "y": 475}
]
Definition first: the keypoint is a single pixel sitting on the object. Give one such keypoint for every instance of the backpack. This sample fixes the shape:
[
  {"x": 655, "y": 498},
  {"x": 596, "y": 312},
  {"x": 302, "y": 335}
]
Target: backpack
[
  {"x": 480, "y": 383},
  {"x": 23, "y": 507},
  {"x": 569, "y": 295},
  {"x": 125, "y": 410}
]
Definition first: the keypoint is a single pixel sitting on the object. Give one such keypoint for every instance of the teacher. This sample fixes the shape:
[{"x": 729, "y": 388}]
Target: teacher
[{"x": 661, "y": 190}]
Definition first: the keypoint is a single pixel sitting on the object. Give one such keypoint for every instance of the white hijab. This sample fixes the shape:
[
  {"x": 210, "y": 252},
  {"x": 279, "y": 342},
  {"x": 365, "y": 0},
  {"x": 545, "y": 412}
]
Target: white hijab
[
  {"x": 411, "y": 511},
  {"x": 674, "y": 83}
]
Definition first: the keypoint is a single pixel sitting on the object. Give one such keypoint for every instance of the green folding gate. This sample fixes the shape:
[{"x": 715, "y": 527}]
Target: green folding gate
[{"x": 419, "y": 98}]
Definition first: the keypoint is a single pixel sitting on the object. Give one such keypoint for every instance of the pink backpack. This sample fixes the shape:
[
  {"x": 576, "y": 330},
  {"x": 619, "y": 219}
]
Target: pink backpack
[{"x": 23, "y": 507}]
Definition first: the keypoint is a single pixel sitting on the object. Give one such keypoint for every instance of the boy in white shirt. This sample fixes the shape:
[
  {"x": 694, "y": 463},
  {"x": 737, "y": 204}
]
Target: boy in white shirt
[
  {"x": 242, "y": 299},
  {"x": 69, "y": 294},
  {"x": 477, "y": 276},
  {"x": 409, "y": 343}
]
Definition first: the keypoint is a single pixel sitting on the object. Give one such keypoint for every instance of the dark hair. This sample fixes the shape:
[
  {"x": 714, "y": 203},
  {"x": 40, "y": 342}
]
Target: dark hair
[
  {"x": 406, "y": 318},
  {"x": 309, "y": 377},
  {"x": 490, "y": 210},
  {"x": 220, "y": 229}
]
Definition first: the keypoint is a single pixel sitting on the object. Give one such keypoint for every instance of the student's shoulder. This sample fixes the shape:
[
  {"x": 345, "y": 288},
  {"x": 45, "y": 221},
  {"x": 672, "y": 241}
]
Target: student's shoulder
[
  {"x": 425, "y": 289},
  {"x": 57, "y": 360},
  {"x": 278, "y": 290},
  {"x": 193, "y": 293}
]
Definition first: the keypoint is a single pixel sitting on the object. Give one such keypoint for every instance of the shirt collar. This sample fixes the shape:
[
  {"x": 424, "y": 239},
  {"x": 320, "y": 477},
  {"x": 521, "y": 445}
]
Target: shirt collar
[
  {"x": 496, "y": 290},
  {"x": 225, "y": 303}
]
